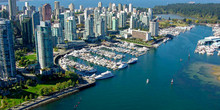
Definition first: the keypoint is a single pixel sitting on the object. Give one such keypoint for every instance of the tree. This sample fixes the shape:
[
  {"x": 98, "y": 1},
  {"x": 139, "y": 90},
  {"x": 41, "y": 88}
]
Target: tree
[
  {"x": 26, "y": 98},
  {"x": 77, "y": 82},
  {"x": 30, "y": 96},
  {"x": 22, "y": 98},
  {"x": 41, "y": 92},
  {"x": 196, "y": 21}
]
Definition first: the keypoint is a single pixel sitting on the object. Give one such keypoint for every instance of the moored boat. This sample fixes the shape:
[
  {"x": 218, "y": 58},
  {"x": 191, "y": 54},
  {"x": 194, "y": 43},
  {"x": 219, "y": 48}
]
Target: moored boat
[{"x": 105, "y": 75}]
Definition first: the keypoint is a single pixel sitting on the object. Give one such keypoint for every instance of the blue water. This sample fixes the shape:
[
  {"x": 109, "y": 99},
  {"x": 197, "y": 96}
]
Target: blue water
[
  {"x": 128, "y": 89},
  {"x": 93, "y": 3}
]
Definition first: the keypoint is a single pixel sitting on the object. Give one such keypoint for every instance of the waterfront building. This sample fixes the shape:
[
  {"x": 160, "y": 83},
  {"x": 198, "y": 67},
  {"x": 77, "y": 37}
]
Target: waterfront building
[
  {"x": 35, "y": 20},
  {"x": 100, "y": 27},
  {"x": 96, "y": 17},
  {"x": 145, "y": 20},
  {"x": 27, "y": 33},
  {"x": 12, "y": 9},
  {"x": 130, "y": 8},
  {"x": 70, "y": 30},
  {"x": 150, "y": 14},
  {"x": 154, "y": 28},
  {"x": 100, "y": 4},
  {"x": 44, "y": 48},
  {"x": 88, "y": 28},
  {"x": 144, "y": 35},
  {"x": 67, "y": 14},
  {"x": 46, "y": 12},
  {"x": 132, "y": 22},
  {"x": 119, "y": 7},
  {"x": 109, "y": 20},
  {"x": 71, "y": 7},
  {"x": 7, "y": 56},
  {"x": 57, "y": 34},
  {"x": 114, "y": 23},
  {"x": 122, "y": 19}
]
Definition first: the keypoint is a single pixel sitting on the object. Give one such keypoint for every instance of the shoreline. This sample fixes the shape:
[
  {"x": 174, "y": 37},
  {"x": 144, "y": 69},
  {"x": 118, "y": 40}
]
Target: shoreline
[{"x": 57, "y": 96}]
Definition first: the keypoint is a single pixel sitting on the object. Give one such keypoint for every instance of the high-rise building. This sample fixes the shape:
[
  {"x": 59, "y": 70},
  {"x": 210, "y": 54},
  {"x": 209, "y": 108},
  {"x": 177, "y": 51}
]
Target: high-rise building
[
  {"x": 145, "y": 20},
  {"x": 154, "y": 28},
  {"x": 56, "y": 5},
  {"x": 40, "y": 13},
  {"x": 7, "y": 56},
  {"x": 71, "y": 7},
  {"x": 67, "y": 14},
  {"x": 44, "y": 48},
  {"x": 57, "y": 34},
  {"x": 12, "y": 9},
  {"x": 88, "y": 28},
  {"x": 150, "y": 14},
  {"x": 27, "y": 32},
  {"x": 122, "y": 19},
  {"x": 80, "y": 19},
  {"x": 119, "y": 7},
  {"x": 35, "y": 20},
  {"x": 81, "y": 8},
  {"x": 114, "y": 8},
  {"x": 130, "y": 8},
  {"x": 70, "y": 31},
  {"x": 110, "y": 7},
  {"x": 109, "y": 20},
  {"x": 96, "y": 17},
  {"x": 114, "y": 23},
  {"x": 100, "y": 25},
  {"x": 57, "y": 9},
  {"x": 26, "y": 5},
  {"x": 100, "y": 4},
  {"x": 86, "y": 13},
  {"x": 46, "y": 12},
  {"x": 124, "y": 7}
]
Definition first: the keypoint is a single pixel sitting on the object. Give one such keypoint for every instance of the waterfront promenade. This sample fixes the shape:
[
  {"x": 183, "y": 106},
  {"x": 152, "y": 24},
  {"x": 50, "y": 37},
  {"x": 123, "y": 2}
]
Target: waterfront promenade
[{"x": 47, "y": 99}]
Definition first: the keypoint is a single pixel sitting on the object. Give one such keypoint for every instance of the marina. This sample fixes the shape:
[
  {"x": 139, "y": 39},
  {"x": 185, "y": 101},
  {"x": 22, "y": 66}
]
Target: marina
[
  {"x": 108, "y": 57},
  {"x": 210, "y": 45},
  {"x": 174, "y": 31}
]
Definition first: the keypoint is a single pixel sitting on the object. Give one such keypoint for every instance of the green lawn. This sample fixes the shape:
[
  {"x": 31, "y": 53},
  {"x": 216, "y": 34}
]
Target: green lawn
[
  {"x": 31, "y": 57},
  {"x": 37, "y": 88}
]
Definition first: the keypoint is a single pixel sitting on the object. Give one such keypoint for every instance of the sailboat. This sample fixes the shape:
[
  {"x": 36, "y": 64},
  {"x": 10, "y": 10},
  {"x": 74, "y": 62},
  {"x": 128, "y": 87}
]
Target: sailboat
[
  {"x": 147, "y": 81},
  {"x": 171, "y": 81}
]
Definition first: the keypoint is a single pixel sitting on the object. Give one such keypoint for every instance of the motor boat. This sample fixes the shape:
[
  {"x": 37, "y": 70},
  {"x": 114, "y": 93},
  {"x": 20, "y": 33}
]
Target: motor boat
[
  {"x": 132, "y": 61},
  {"x": 123, "y": 65},
  {"x": 105, "y": 75}
]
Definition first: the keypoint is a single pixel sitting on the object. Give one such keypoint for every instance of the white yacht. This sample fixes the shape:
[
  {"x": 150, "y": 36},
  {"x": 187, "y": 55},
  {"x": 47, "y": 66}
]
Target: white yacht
[
  {"x": 105, "y": 75},
  {"x": 132, "y": 61},
  {"x": 147, "y": 81},
  {"x": 123, "y": 65}
]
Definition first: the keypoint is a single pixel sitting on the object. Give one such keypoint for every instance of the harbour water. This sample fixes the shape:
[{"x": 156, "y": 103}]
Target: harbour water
[{"x": 128, "y": 89}]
